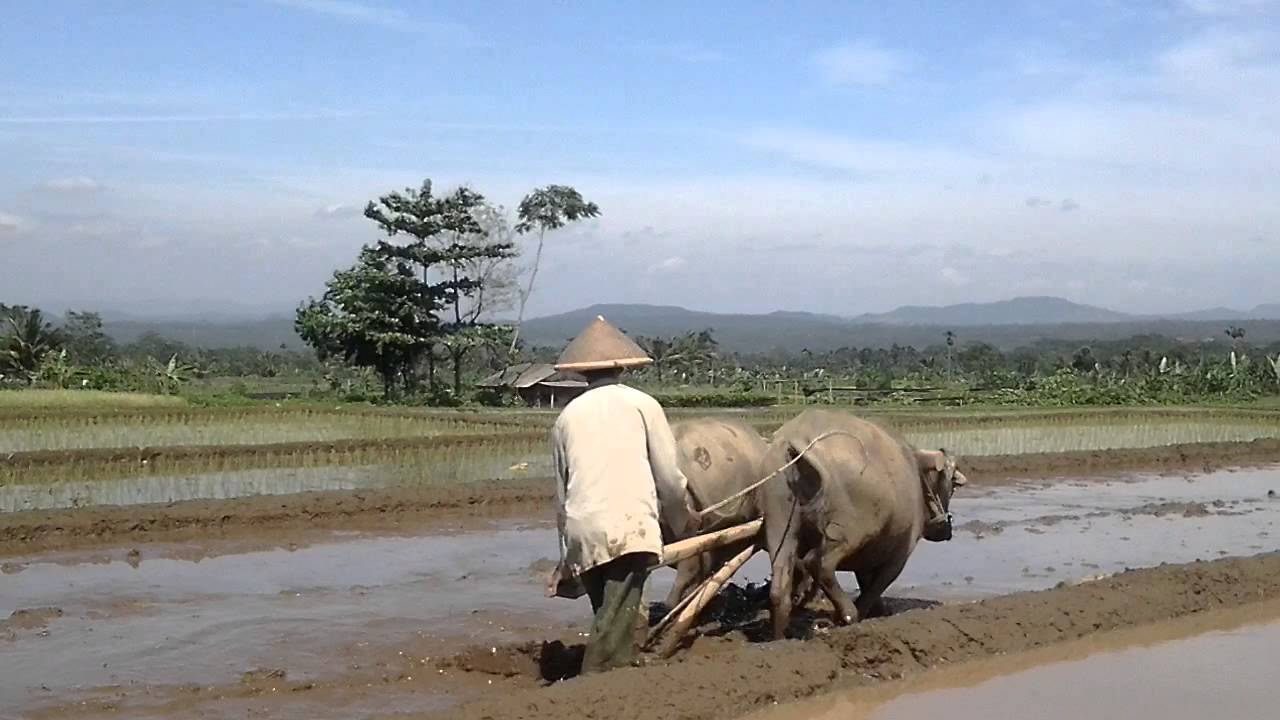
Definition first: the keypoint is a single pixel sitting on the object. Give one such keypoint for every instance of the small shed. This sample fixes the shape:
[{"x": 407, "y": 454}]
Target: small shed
[{"x": 538, "y": 384}]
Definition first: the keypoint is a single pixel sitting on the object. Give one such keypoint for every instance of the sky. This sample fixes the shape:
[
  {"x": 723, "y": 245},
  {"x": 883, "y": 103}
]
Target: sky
[{"x": 214, "y": 156}]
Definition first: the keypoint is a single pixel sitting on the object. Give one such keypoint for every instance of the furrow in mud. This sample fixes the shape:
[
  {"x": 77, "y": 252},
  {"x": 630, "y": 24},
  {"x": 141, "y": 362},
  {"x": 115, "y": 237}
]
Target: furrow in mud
[
  {"x": 718, "y": 678},
  {"x": 424, "y": 506}
]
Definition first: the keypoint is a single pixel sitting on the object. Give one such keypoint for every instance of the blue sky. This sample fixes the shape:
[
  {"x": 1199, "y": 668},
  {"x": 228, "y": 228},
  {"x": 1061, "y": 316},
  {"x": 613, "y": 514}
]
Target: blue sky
[{"x": 834, "y": 157}]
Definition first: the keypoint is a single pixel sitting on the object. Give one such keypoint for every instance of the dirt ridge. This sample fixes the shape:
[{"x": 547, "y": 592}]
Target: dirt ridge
[{"x": 720, "y": 679}]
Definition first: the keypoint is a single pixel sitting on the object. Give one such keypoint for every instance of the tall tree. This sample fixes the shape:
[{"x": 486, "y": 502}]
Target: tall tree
[
  {"x": 27, "y": 339},
  {"x": 482, "y": 277},
  {"x": 411, "y": 293},
  {"x": 547, "y": 208},
  {"x": 444, "y": 236},
  {"x": 373, "y": 315},
  {"x": 84, "y": 339},
  {"x": 663, "y": 351}
]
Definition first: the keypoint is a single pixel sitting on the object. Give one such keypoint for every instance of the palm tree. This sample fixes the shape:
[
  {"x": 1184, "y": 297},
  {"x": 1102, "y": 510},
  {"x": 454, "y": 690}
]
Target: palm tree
[
  {"x": 662, "y": 350},
  {"x": 27, "y": 340}
]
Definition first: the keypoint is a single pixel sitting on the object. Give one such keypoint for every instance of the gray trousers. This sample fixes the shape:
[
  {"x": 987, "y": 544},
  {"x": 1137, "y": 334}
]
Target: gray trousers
[{"x": 615, "y": 590}]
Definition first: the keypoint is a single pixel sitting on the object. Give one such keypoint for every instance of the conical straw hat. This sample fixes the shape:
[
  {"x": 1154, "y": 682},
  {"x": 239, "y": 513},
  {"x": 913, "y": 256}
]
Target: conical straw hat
[{"x": 600, "y": 347}]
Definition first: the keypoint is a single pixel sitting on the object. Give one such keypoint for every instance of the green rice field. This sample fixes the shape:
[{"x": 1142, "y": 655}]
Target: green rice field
[{"x": 142, "y": 454}]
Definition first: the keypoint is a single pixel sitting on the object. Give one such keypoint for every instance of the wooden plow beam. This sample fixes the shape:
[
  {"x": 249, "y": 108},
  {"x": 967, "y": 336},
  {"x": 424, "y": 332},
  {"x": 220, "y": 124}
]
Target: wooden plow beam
[{"x": 665, "y": 637}]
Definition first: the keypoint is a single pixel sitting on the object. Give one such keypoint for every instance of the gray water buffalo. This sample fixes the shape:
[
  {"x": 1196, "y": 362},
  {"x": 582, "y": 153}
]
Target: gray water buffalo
[
  {"x": 719, "y": 457},
  {"x": 859, "y": 500}
]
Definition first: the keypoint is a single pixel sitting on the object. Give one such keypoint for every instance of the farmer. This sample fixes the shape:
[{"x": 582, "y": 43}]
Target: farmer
[{"x": 620, "y": 493}]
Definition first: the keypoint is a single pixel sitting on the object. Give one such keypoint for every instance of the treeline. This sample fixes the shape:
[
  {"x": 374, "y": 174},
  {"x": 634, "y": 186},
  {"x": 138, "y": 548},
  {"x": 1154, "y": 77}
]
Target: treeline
[
  {"x": 688, "y": 369},
  {"x": 77, "y": 353}
]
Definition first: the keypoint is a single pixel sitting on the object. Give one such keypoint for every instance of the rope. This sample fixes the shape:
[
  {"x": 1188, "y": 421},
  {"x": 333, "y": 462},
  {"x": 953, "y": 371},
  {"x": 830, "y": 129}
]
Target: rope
[{"x": 756, "y": 485}]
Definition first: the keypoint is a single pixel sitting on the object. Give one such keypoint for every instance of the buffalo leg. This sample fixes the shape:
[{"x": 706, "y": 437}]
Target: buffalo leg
[
  {"x": 689, "y": 572},
  {"x": 877, "y": 581},
  {"x": 782, "y": 537},
  {"x": 824, "y": 570},
  {"x": 877, "y": 608}
]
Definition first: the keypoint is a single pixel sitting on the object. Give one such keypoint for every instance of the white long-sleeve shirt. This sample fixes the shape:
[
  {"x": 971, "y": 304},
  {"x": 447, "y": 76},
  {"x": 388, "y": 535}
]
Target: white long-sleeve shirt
[{"x": 618, "y": 481}]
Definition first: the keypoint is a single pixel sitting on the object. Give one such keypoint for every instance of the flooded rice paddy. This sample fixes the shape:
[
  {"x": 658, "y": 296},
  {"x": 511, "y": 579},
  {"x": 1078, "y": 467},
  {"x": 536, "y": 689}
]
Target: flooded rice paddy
[
  {"x": 227, "y": 476},
  {"x": 221, "y": 429},
  {"x": 169, "y": 615}
]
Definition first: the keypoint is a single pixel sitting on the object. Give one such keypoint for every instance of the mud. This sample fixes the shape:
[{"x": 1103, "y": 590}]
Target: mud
[
  {"x": 1094, "y": 676},
  {"x": 713, "y": 681},
  {"x": 272, "y": 518},
  {"x": 419, "y": 508},
  {"x": 29, "y": 619},
  {"x": 362, "y": 622}
]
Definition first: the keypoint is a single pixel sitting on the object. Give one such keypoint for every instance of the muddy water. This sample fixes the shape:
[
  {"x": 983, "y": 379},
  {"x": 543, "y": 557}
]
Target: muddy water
[
  {"x": 1228, "y": 674},
  {"x": 159, "y": 618}
]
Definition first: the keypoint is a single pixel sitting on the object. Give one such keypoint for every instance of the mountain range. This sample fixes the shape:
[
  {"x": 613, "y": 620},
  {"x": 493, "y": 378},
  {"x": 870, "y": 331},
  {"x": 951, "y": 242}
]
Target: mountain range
[{"x": 1007, "y": 323}]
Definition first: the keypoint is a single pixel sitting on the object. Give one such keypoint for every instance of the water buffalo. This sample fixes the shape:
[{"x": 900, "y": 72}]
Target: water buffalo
[
  {"x": 719, "y": 457},
  {"x": 859, "y": 500}
]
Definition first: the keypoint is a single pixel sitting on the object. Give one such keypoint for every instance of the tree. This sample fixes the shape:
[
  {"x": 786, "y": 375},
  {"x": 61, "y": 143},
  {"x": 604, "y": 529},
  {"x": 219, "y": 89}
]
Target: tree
[
  {"x": 392, "y": 309},
  {"x": 482, "y": 281},
  {"x": 951, "y": 344},
  {"x": 84, "y": 339},
  {"x": 548, "y": 208},
  {"x": 374, "y": 314},
  {"x": 27, "y": 340},
  {"x": 662, "y": 350},
  {"x": 1236, "y": 333}
]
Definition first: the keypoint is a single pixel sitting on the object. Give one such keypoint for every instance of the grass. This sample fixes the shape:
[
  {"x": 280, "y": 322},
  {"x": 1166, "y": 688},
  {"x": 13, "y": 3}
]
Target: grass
[
  {"x": 239, "y": 450},
  {"x": 224, "y": 428},
  {"x": 164, "y": 479},
  {"x": 55, "y": 400}
]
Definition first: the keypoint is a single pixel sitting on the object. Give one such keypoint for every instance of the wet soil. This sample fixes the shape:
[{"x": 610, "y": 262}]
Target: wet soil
[
  {"x": 350, "y": 624},
  {"x": 1092, "y": 677},
  {"x": 722, "y": 678},
  {"x": 420, "y": 508},
  {"x": 272, "y": 518}
]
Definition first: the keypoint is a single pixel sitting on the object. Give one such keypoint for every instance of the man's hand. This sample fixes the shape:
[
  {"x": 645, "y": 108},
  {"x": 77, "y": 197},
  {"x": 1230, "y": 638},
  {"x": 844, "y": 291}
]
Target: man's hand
[{"x": 682, "y": 519}]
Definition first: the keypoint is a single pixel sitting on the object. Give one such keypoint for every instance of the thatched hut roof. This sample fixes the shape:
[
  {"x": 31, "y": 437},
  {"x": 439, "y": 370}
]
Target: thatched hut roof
[{"x": 526, "y": 375}]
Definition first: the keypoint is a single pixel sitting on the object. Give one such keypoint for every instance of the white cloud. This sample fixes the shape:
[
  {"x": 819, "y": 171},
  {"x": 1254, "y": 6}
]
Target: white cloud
[
  {"x": 79, "y": 183},
  {"x": 9, "y": 223},
  {"x": 672, "y": 264},
  {"x": 870, "y": 157},
  {"x": 1229, "y": 8},
  {"x": 339, "y": 210},
  {"x": 859, "y": 63},
  {"x": 954, "y": 276},
  {"x": 380, "y": 17}
]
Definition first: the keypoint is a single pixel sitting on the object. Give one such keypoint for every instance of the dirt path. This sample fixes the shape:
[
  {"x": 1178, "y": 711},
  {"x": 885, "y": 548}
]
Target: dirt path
[
  {"x": 721, "y": 678},
  {"x": 267, "y": 518}
]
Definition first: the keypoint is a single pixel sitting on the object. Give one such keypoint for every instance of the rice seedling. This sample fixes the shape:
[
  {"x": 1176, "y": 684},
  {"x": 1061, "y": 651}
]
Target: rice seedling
[
  {"x": 222, "y": 428},
  {"x": 1026, "y": 439},
  {"x": 53, "y": 400},
  {"x": 229, "y": 452},
  {"x": 185, "y": 476}
]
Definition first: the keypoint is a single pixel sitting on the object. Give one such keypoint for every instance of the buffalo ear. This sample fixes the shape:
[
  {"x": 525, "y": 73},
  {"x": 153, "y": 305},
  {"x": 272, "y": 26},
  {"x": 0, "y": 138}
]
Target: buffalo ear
[{"x": 931, "y": 460}]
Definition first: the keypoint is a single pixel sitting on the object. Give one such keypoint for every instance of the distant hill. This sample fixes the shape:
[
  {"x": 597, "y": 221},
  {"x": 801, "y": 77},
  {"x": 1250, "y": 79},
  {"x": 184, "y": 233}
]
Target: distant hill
[
  {"x": 1006, "y": 324},
  {"x": 266, "y": 333},
  {"x": 735, "y": 331},
  {"x": 795, "y": 331},
  {"x": 1017, "y": 311}
]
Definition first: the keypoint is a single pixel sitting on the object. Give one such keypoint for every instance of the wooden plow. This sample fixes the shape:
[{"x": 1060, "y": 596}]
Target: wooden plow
[{"x": 664, "y": 638}]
